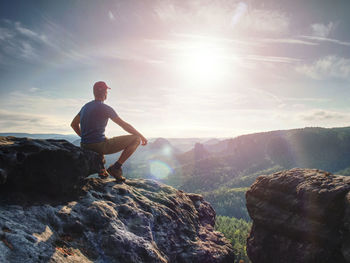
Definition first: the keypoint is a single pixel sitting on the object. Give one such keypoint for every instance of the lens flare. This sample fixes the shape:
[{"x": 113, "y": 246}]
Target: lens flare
[
  {"x": 159, "y": 169},
  {"x": 167, "y": 150}
]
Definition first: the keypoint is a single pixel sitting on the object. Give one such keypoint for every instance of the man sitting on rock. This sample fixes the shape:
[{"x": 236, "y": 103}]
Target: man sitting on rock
[{"x": 90, "y": 124}]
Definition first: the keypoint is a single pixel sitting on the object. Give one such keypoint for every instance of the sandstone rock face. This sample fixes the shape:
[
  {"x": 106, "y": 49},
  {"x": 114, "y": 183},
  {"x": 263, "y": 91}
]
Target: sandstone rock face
[
  {"x": 300, "y": 215},
  {"x": 77, "y": 219},
  {"x": 138, "y": 221},
  {"x": 51, "y": 167}
]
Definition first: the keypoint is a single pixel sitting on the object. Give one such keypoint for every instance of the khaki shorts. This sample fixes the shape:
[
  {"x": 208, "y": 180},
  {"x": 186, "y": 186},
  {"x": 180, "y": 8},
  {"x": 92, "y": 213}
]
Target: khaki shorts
[{"x": 112, "y": 145}]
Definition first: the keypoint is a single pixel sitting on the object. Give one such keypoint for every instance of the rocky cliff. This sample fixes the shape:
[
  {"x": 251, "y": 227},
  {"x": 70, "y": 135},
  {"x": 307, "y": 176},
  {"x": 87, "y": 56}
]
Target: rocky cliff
[
  {"x": 95, "y": 220},
  {"x": 54, "y": 168},
  {"x": 300, "y": 215}
]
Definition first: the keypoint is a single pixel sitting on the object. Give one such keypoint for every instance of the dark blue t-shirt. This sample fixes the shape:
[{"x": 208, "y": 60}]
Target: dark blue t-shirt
[{"x": 94, "y": 116}]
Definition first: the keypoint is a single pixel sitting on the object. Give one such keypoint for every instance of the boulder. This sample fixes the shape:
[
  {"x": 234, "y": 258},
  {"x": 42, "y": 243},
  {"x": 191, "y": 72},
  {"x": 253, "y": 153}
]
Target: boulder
[
  {"x": 299, "y": 215},
  {"x": 137, "y": 221},
  {"x": 50, "y": 167}
]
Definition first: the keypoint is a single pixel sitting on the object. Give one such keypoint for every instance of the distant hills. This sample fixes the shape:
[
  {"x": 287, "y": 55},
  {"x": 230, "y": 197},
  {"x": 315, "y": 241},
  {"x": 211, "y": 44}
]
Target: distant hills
[
  {"x": 320, "y": 148},
  {"x": 223, "y": 171}
]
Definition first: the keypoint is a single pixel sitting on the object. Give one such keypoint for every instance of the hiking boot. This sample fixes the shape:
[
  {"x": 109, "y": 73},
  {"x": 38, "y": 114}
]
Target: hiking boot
[
  {"x": 103, "y": 174},
  {"x": 117, "y": 173}
]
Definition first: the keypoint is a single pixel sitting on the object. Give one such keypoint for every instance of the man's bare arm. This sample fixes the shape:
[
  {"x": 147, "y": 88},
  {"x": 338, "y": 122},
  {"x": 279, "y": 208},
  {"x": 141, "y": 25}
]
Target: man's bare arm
[
  {"x": 127, "y": 127},
  {"x": 76, "y": 125}
]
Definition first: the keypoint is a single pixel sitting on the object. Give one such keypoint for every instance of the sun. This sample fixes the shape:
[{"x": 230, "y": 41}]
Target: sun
[{"x": 203, "y": 62}]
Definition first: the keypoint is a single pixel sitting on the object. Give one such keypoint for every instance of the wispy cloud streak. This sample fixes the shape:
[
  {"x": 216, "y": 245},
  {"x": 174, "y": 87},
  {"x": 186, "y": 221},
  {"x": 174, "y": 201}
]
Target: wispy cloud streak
[
  {"x": 292, "y": 41},
  {"x": 330, "y": 40}
]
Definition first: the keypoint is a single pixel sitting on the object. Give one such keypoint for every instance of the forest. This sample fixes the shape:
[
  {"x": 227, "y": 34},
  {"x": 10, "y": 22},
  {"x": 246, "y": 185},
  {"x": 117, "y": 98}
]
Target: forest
[{"x": 237, "y": 231}]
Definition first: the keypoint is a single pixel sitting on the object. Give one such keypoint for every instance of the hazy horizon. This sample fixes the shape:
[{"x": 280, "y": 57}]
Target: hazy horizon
[
  {"x": 177, "y": 69},
  {"x": 188, "y": 138}
]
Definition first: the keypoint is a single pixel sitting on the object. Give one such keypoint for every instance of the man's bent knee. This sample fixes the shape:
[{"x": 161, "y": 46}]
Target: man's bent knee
[{"x": 137, "y": 140}]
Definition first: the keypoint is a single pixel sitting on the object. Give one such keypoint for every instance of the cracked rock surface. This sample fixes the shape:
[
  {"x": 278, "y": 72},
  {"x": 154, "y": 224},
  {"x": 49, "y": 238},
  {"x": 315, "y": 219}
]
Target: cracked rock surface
[
  {"x": 137, "y": 221},
  {"x": 299, "y": 215}
]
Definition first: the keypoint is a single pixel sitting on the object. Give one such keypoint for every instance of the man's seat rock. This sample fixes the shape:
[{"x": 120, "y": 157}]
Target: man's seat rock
[{"x": 50, "y": 167}]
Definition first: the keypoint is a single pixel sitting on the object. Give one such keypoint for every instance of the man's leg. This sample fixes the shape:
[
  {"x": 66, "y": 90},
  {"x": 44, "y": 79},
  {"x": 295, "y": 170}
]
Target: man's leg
[
  {"x": 103, "y": 172},
  {"x": 127, "y": 143},
  {"x": 129, "y": 150}
]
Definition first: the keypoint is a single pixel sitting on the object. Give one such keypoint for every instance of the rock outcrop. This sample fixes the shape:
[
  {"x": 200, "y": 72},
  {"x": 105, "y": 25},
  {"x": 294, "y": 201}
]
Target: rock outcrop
[
  {"x": 300, "y": 215},
  {"x": 137, "y": 221},
  {"x": 53, "y": 167}
]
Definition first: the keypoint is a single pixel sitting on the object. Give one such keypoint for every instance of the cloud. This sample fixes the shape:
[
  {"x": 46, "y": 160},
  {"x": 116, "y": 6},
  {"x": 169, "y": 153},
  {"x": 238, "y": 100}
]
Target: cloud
[
  {"x": 321, "y": 33},
  {"x": 32, "y": 111},
  {"x": 5, "y": 34},
  {"x": 242, "y": 41},
  {"x": 268, "y": 21},
  {"x": 330, "y": 40},
  {"x": 272, "y": 59},
  {"x": 322, "y": 115},
  {"x": 18, "y": 41},
  {"x": 38, "y": 103},
  {"x": 318, "y": 100},
  {"x": 31, "y": 123},
  {"x": 34, "y": 89},
  {"x": 212, "y": 39},
  {"x": 111, "y": 16},
  {"x": 31, "y": 34},
  {"x": 221, "y": 15},
  {"x": 321, "y": 30},
  {"x": 27, "y": 51},
  {"x": 293, "y": 41},
  {"x": 327, "y": 67},
  {"x": 239, "y": 12},
  {"x": 180, "y": 15}
]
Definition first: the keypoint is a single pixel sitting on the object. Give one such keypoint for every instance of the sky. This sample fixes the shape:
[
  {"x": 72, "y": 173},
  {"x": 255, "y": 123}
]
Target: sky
[{"x": 195, "y": 68}]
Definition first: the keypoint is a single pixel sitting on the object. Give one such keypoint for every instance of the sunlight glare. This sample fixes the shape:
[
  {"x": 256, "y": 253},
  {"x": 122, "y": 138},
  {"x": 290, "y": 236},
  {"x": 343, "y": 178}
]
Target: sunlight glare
[{"x": 203, "y": 62}]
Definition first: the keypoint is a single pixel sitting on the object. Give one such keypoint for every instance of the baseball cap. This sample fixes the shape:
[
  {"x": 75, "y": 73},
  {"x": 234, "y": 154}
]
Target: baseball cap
[{"x": 100, "y": 85}]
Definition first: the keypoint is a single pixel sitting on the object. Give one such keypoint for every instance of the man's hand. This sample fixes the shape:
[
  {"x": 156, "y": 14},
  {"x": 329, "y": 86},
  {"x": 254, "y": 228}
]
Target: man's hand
[
  {"x": 143, "y": 141},
  {"x": 127, "y": 127}
]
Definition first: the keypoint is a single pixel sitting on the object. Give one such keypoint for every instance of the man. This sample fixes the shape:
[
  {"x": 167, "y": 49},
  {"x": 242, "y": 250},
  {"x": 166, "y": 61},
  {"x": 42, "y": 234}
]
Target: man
[{"x": 90, "y": 124}]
